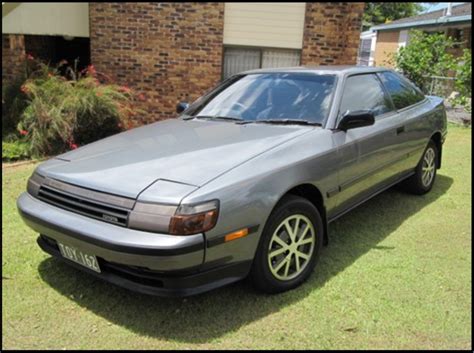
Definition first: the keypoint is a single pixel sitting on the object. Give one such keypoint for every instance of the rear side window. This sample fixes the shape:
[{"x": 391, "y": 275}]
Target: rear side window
[
  {"x": 364, "y": 92},
  {"x": 403, "y": 92}
]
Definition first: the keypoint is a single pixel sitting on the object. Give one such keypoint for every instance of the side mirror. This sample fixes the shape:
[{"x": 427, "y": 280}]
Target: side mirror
[
  {"x": 354, "y": 119},
  {"x": 181, "y": 107}
]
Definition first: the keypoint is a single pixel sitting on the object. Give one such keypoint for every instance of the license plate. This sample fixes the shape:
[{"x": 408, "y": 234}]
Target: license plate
[{"x": 73, "y": 254}]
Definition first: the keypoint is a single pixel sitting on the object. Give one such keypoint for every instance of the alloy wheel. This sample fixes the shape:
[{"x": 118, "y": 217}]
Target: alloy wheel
[
  {"x": 428, "y": 167},
  {"x": 291, "y": 247}
]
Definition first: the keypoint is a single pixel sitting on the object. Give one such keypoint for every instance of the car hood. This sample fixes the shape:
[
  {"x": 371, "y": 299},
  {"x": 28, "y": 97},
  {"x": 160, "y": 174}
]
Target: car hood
[{"x": 188, "y": 152}]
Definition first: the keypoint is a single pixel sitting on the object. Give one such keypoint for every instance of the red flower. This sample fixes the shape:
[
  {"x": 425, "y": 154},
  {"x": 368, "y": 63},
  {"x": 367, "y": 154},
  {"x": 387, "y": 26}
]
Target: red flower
[
  {"x": 24, "y": 89},
  {"x": 23, "y": 132},
  {"x": 125, "y": 89},
  {"x": 141, "y": 97},
  {"x": 72, "y": 145},
  {"x": 30, "y": 57},
  {"x": 91, "y": 70}
]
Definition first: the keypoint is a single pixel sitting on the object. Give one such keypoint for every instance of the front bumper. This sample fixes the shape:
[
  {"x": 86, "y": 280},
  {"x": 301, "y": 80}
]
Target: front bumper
[
  {"x": 152, "y": 283},
  {"x": 146, "y": 262}
]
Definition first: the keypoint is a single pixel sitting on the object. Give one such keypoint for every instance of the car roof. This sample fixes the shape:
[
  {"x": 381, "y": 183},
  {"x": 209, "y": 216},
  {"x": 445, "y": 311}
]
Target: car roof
[{"x": 330, "y": 69}]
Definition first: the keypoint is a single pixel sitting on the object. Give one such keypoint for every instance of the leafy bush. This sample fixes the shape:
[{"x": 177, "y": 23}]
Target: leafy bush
[
  {"x": 15, "y": 150},
  {"x": 62, "y": 114},
  {"x": 425, "y": 55},
  {"x": 428, "y": 55},
  {"x": 463, "y": 82}
]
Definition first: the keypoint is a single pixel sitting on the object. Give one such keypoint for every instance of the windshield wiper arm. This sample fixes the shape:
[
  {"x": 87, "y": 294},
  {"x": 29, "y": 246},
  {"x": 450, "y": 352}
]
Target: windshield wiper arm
[
  {"x": 288, "y": 121},
  {"x": 216, "y": 117}
]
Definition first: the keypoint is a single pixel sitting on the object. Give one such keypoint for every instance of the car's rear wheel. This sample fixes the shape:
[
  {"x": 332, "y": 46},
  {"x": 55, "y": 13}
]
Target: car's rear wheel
[
  {"x": 425, "y": 173},
  {"x": 290, "y": 246}
]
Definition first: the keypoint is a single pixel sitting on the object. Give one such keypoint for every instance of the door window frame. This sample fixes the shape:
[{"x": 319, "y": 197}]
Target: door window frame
[
  {"x": 392, "y": 108},
  {"x": 403, "y": 79}
]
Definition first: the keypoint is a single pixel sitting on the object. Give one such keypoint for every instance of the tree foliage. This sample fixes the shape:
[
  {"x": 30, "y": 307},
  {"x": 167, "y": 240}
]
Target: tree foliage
[
  {"x": 463, "y": 82},
  {"x": 424, "y": 56},
  {"x": 380, "y": 12},
  {"x": 427, "y": 55}
]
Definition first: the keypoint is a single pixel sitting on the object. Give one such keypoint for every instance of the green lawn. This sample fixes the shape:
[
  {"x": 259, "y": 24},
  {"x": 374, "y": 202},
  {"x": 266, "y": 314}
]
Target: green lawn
[{"x": 396, "y": 274}]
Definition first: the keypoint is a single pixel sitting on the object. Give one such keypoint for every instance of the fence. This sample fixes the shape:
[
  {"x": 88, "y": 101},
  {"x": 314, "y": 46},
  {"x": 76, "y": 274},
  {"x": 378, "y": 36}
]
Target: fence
[{"x": 439, "y": 86}]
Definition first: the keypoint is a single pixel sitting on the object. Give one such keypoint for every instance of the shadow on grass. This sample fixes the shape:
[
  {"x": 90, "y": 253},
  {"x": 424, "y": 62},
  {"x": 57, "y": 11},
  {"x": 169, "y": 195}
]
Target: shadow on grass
[{"x": 210, "y": 315}]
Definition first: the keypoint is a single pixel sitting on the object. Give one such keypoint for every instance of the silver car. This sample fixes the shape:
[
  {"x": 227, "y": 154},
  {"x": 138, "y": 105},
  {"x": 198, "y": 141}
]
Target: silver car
[{"x": 245, "y": 182}]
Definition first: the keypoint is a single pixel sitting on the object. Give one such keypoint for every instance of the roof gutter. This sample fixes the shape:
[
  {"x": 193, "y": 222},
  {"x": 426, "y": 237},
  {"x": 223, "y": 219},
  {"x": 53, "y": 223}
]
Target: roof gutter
[{"x": 438, "y": 21}]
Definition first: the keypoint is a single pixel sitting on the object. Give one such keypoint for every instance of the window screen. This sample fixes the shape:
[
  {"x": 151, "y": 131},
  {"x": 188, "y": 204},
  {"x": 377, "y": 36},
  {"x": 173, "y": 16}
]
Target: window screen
[
  {"x": 280, "y": 58},
  {"x": 364, "y": 92},
  {"x": 238, "y": 60},
  {"x": 241, "y": 59},
  {"x": 364, "y": 52}
]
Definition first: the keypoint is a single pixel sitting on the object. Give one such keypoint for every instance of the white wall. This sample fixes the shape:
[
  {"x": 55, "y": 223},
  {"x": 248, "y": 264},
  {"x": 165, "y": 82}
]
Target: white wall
[
  {"x": 47, "y": 18},
  {"x": 278, "y": 25},
  {"x": 403, "y": 38}
]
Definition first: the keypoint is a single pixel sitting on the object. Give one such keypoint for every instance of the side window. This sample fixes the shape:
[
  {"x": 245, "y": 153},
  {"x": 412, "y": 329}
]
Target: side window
[
  {"x": 403, "y": 92},
  {"x": 364, "y": 92}
]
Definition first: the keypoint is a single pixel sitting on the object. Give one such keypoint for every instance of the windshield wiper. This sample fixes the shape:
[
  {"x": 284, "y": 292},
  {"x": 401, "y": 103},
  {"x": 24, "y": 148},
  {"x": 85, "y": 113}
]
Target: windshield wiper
[
  {"x": 214, "y": 117},
  {"x": 288, "y": 122}
]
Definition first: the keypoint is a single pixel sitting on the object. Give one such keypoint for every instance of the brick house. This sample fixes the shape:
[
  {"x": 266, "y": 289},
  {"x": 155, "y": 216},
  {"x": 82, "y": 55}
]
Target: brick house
[
  {"x": 176, "y": 51},
  {"x": 378, "y": 44}
]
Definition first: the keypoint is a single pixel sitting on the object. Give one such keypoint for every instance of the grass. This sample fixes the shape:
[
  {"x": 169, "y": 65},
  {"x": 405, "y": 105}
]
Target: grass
[{"x": 396, "y": 275}]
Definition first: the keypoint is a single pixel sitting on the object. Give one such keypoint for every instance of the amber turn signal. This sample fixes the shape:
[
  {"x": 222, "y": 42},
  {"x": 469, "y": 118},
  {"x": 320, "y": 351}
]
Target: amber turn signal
[{"x": 236, "y": 235}]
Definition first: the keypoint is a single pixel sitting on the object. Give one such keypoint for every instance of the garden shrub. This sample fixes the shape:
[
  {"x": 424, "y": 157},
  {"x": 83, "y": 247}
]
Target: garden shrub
[
  {"x": 15, "y": 150},
  {"x": 62, "y": 114},
  {"x": 463, "y": 82},
  {"x": 429, "y": 55},
  {"x": 425, "y": 55}
]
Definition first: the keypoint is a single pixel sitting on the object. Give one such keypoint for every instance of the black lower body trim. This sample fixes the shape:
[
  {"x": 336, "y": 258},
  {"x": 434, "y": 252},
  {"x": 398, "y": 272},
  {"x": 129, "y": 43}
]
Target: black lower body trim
[
  {"x": 375, "y": 193},
  {"x": 153, "y": 283}
]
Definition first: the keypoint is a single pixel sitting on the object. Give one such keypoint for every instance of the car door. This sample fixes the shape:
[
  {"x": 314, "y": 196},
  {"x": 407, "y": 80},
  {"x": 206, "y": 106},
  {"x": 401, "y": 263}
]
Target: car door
[
  {"x": 412, "y": 108},
  {"x": 367, "y": 155}
]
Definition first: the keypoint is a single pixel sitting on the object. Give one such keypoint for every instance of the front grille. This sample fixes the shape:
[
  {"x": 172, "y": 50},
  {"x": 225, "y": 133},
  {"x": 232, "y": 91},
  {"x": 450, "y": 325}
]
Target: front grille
[{"x": 90, "y": 208}]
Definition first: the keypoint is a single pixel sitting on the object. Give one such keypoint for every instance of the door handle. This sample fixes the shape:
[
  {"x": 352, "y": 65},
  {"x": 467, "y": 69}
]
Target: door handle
[{"x": 400, "y": 130}]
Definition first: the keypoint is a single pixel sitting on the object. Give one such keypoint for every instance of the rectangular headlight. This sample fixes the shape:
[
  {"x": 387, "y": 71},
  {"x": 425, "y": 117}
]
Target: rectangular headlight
[
  {"x": 193, "y": 219},
  {"x": 182, "y": 220}
]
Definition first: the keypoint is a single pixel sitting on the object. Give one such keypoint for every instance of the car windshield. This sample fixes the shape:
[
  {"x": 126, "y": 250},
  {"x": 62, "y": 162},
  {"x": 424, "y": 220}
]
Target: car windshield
[{"x": 269, "y": 97}]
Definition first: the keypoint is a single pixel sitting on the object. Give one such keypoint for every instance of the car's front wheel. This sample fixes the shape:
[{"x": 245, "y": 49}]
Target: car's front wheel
[{"x": 290, "y": 246}]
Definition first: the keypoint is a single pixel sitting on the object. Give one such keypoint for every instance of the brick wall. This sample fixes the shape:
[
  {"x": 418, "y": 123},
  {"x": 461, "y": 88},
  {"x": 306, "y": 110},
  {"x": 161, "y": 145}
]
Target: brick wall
[
  {"x": 331, "y": 33},
  {"x": 386, "y": 46},
  {"x": 164, "y": 50},
  {"x": 13, "y": 51}
]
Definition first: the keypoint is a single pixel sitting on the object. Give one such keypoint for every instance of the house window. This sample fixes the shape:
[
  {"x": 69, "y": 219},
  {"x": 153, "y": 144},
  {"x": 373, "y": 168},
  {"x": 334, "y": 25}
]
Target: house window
[
  {"x": 458, "y": 37},
  {"x": 364, "y": 52},
  {"x": 241, "y": 59}
]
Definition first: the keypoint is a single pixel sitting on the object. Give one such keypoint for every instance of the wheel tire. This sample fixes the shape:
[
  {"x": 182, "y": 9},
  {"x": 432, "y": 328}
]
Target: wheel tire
[
  {"x": 416, "y": 184},
  {"x": 261, "y": 274}
]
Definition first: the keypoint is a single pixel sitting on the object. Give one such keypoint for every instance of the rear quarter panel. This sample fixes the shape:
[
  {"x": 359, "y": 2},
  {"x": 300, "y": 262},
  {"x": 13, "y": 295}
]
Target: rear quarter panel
[{"x": 422, "y": 121}]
